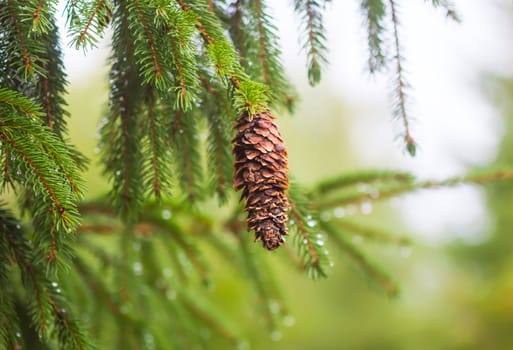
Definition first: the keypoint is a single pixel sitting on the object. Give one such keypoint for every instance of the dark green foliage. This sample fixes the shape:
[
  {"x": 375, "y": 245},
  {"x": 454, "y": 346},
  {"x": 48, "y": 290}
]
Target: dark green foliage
[
  {"x": 184, "y": 133},
  {"x": 42, "y": 300},
  {"x": 22, "y": 54},
  {"x": 181, "y": 73},
  {"x": 38, "y": 161},
  {"x": 219, "y": 157}
]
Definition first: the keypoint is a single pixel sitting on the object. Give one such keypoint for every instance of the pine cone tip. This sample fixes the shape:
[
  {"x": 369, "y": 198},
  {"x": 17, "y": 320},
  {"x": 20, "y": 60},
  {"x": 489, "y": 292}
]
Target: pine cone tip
[{"x": 271, "y": 239}]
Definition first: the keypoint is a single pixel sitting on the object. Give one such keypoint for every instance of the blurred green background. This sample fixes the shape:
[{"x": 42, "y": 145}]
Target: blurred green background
[{"x": 455, "y": 293}]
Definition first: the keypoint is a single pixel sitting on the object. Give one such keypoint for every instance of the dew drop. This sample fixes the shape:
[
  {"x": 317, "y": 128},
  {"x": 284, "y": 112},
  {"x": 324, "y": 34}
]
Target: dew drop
[
  {"x": 171, "y": 294},
  {"x": 274, "y": 307},
  {"x": 289, "y": 321},
  {"x": 58, "y": 290},
  {"x": 305, "y": 241},
  {"x": 166, "y": 214},
  {"x": 243, "y": 345},
  {"x": 331, "y": 264},
  {"x": 118, "y": 172},
  {"x": 357, "y": 239},
  {"x": 167, "y": 272},
  {"x": 276, "y": 335},
  {"x": 320, "y": 242},
  {"x": 351, "y": 209},
  {"x": 149, "y": 340},
  {"x": 97, "y": 150},
  {"x": 364, "y": 188},
  {"x": 55, "y": 284},
  {"x": 124, "y": 309},
  {"x": 206, "y": 333},
  {"x": 339, "y": 212},
  {"x": 137, "y": 267},
  {"x": 366, "y": 208},
  {"x": 405, "y": 252},
  {"x": 18, "y": 226},
  {"x": 374, "y": 194},
  {"x": 325, "y": 216},
  {"x": 311, "y": 223},
  {"x": 292, "y": 222},
  {"x": 18, "y": 334}
]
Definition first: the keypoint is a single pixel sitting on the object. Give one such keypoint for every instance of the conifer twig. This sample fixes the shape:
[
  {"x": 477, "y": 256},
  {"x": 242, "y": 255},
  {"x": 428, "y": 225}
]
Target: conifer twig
[
  {"x": 361, "y": 260},
  {"x": 93, "y": 14},
  {"x": 392, "y": 191},
  {"x": 26, "y": 56},
  {"x": 401, "y": 83}
]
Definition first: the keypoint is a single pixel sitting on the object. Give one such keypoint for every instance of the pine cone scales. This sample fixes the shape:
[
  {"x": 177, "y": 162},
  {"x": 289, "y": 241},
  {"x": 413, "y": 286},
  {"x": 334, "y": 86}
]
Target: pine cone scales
[{"x": 261, "y": 172}]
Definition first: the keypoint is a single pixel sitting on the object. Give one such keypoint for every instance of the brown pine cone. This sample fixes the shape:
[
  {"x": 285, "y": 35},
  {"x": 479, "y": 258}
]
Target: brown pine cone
[{"x": 261, "y": 171}]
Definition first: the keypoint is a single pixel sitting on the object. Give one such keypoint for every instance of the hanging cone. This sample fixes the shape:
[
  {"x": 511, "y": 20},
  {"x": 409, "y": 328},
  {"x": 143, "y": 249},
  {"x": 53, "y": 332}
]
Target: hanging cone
[{"x": 261, "y": 172}]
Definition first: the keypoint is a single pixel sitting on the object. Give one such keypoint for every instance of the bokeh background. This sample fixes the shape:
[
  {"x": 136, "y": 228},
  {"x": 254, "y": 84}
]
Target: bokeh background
[{"x": 457, "y": 277}]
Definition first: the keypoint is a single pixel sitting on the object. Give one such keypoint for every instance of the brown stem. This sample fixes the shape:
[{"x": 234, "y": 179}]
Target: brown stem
[
  {"x": 150, "y": 39},
  {"x": 26, "y": 56},
  {"x": 83, "y": 34}
]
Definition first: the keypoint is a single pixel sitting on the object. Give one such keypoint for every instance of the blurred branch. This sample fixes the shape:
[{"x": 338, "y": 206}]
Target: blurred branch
[{"x": 397, "y": 190}]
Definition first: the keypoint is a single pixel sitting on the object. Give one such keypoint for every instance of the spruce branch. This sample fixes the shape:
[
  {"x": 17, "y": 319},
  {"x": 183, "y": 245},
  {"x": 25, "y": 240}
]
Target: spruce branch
[
  {"x": 181, "y": 31},
  {"x": 121, "y": 130},
  {"x": 256, "y": 271},
  {"x": 360, "y": 259},
  {"x": 401, "y": 84},
  {"x": 39, "y": 307},
  {"x": 183, "y": 129},
  {"x": 87, "y": 21},
  {"x": 180, "y": 238},
  {"x": 479, "y": 178},
  {"x": 43, "y": 154},
  {"x": 219, "y": 119},
  {"x": 308, "y": 239},
  {"x": 310, "y": 13},
  {"x": 40, "y": 14},
  {"x": 362, "y": 177},
  {"x": 252, "y": 96},
  {"x": 153, "y": 139},
  {"x": 152, "y": 63},
  {"x": 448, "y": 7},
  {"x": 371, "y": 233},
  {"x": 268, "y": 53},
  {"x": 47, "y": 302},
  {"x": 10, "y": 17},
  {"x": 20, "y": 102},
  {"x": 237, "y": 31},
  {"x": 157, "y": 170},
  {"x": 373, "y": 13}
]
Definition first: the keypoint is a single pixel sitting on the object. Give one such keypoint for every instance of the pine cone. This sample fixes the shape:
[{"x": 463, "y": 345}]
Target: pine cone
[{"x": 261, "y": 171}]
